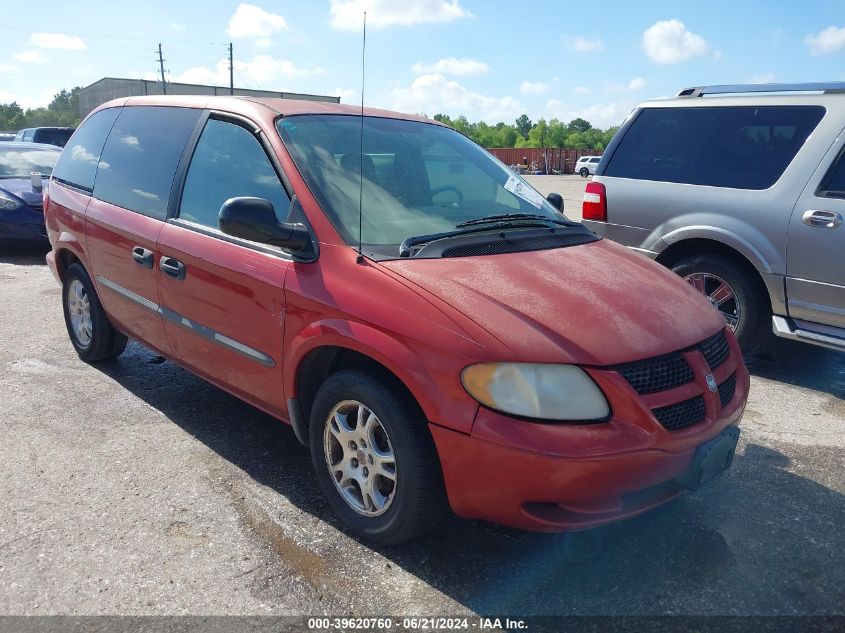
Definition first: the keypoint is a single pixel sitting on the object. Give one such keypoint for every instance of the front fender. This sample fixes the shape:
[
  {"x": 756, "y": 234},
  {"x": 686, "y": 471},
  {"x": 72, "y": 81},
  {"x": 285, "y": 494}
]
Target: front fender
[{"x": 441, "y": 396}]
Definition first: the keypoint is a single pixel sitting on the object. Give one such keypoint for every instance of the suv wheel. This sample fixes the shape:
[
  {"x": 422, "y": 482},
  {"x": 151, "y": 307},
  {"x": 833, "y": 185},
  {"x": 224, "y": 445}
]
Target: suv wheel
[
  {"x": 730, "y": 289},
  {"x": 584, "y": 172},
  {"x": 375, "y": 459},
  {"x": 92, "y": 334}
]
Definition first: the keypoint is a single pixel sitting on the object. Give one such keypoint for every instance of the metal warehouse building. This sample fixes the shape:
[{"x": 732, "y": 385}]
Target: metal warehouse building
[{"x": 109, "y": 88}]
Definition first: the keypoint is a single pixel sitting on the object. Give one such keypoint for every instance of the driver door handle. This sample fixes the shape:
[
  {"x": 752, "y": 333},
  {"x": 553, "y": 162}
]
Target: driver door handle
[
  {"x": 822, "y": 219},
  {"x": 172, "y": 267}
]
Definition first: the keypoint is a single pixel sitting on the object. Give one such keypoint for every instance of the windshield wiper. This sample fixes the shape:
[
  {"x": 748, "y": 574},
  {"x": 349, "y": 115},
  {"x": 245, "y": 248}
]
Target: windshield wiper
[
  {"x": 505, "y": 218},
  {"x": 489, "y": 225}
]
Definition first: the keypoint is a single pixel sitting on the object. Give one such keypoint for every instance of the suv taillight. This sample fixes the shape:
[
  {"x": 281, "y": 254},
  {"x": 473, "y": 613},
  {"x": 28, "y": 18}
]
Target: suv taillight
[{"x": 595, "y": 202}]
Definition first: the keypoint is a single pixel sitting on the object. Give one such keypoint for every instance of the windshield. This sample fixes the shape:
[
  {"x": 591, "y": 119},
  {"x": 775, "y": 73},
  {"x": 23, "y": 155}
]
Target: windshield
[
  {"x": 419, "y": 178},
  {"x": 20, "y": 163}
]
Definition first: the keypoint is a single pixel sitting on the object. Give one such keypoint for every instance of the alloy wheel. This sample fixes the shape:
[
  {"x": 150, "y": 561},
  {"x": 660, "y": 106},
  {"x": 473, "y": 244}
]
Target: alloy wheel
[
  {"x": 720, "y": 294},
  {"x": 360, "y": 458},
  {"x": 79, "y": 309}
]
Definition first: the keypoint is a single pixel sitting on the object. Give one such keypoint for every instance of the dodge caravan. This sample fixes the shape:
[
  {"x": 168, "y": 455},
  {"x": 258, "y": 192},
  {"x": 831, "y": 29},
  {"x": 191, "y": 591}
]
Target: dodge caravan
[{"x": 437, "y": 333}]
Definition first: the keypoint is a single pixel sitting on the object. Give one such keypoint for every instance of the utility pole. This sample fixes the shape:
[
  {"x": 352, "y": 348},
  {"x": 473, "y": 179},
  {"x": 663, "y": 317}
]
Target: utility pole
[
  {"x": 161, "y": 66},
  {"x": 231, "y": 72}
]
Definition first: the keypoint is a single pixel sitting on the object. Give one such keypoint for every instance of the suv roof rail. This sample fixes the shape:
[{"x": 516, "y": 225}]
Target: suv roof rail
[{"x": 827, "y": 87}]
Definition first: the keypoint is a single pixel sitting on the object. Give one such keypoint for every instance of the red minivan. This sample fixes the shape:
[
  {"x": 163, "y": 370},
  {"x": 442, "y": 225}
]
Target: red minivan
[{"x": 438, "y": 333}]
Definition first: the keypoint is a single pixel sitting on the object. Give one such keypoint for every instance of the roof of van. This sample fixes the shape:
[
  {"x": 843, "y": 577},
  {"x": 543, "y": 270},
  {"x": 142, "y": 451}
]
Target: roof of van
[{"x": 272, "y": 106}]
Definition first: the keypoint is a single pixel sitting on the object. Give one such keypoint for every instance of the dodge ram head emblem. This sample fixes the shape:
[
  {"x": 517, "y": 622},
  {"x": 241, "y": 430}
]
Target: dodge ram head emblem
[{"x": 711, "y": 382}]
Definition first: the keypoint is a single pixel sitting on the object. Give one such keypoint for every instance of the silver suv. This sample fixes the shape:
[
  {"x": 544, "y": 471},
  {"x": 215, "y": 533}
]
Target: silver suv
[{"x": 741, "y": 191}]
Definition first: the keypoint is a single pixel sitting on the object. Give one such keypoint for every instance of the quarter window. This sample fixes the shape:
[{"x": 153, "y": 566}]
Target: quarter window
[
  {"x": 746, "y": 147},
  {"x": 141, "y": 155},
  {"x": 77, "y": 165},
  {"x": 228, "y": 162},
  {"x": 833, "y": 185}
]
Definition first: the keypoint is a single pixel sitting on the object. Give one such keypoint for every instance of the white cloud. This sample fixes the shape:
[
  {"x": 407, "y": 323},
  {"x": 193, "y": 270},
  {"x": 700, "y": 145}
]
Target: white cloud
[
  {"x": 765, "y": 78},
  {"x": 452, "y": 66},
  {"x": 252, "y": 21},
  {"x": 581, "y": 90},
  {"x": 176, "y": 26},
  {"x": 347, "y": 15},
  {"x": 533, "y": 87},
  {"x": 29, "y": 57},
  {"x": 669, "y": 42},
  {"x": 58, "y": 40},
  {"x": 434, "y": 93},
  {"x": 601, "y": 115},
  {"x": 829, "y": 40},
  {"x": 263, "y": 69},
  {"x": 347, "y": 95},
  {"x": 637, "y": 83},
  {"x": 9, "y": 69},
  {"x": 586, "y": 45}
]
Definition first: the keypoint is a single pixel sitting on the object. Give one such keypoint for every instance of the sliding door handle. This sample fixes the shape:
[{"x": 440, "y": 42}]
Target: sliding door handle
[
  {"x": 172, "y": 267},
  {"x": 142, "y": 256}
]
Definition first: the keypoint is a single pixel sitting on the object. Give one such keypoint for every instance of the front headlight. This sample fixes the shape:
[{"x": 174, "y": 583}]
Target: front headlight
[
  {"x": 9, "y": 202},
  {"x": 545, "y": 392}
]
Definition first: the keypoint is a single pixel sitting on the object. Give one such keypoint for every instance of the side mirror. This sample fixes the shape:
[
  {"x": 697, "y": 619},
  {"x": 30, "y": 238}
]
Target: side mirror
[
  {"x": 254, "y": 219},
  {"x": 556, "y": 200}
]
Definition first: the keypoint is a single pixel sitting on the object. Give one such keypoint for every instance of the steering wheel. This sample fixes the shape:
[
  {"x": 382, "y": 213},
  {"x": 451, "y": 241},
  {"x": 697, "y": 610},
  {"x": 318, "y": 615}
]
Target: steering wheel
[{"x": 438, "y": 190}]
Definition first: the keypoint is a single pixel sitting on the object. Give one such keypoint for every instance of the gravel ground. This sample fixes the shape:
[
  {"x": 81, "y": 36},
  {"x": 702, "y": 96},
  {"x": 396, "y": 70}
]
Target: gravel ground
[
  {"x": 136, "y": 488},
  {"x": 570, "y": 187}
]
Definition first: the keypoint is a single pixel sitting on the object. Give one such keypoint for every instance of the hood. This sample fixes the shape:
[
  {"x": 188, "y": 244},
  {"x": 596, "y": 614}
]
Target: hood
[
  {"x": 594, "y": 304},
  {"x": 22, "y": 188}
]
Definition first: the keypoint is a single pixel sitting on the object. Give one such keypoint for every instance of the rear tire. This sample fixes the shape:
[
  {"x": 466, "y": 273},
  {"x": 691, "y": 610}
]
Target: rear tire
[
  {"x": 91, "y": 333},
  {"x": 414, "y": 500},
  {"x": 584, "y": 172},
  {"x": 744, "y": 301}
]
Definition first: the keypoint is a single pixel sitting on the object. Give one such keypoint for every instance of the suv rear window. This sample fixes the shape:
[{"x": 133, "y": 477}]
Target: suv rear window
[
  {"x": 140, "y": 157},
  {"x": 743, "y": 147}
]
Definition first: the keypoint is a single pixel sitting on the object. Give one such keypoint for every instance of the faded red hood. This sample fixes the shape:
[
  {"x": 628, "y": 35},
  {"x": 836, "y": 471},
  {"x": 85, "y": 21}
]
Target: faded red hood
[{"x": 597, "y": 303}]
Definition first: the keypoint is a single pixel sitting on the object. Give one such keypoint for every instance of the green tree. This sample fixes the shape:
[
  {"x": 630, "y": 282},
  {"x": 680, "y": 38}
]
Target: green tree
[
  {"x": 539, "y": 134},
  {"x": 579, "y": 125},
  {"x": 524, "y": 125}
]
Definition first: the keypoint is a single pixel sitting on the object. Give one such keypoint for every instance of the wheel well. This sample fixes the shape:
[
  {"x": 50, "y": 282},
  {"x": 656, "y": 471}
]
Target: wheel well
[
  {"x": 64, "y": 259},
  {"x": 701, "y": 246},
  {"x": 322, "y": 362}
]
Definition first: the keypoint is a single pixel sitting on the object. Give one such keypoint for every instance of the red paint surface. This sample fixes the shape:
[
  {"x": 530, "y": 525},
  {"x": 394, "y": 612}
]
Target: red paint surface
[{"x": 593, "y": 305}]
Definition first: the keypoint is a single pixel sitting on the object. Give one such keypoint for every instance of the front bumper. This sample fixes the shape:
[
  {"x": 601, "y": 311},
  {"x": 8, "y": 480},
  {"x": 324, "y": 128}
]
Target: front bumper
[{"x": 564, "y": 477}]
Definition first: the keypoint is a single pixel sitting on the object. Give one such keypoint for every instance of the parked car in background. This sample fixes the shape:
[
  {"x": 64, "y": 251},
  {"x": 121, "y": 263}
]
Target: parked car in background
[
  {"x": 7, "y": 136},
  {"x": 400, "y": 304},
  {"x": 50, "y": 135},
  {"x": 741, "y": 191},
  {"x": 586, "y": 165},
  {"x": 21, "y": 194}
]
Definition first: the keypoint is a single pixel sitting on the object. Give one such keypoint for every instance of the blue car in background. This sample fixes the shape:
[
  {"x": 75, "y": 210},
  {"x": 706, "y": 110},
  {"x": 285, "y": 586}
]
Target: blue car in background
[{"x": 21, "y": 202}]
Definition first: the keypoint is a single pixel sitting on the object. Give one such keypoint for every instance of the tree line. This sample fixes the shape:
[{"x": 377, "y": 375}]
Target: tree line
[
  {"x": 577, "y": 134},
  {"x": 63, "y": 111}
]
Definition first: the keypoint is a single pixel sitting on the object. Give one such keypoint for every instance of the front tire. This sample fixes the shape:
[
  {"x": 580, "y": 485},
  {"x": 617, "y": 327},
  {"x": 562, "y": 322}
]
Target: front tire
[
  {"x": 731, "y": 290},
  {"x": 374, "y": 457},
  {"x": 90, "y": 331},
  {"x": 584, "y": 172}
]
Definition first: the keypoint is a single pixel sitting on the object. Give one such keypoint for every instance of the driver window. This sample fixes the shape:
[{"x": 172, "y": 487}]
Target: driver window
[{"x": 228, "y": 162}]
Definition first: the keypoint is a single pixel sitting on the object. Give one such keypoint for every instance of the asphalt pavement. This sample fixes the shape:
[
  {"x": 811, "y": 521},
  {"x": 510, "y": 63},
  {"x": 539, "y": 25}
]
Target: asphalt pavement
[{"x": 134, "y": 487}]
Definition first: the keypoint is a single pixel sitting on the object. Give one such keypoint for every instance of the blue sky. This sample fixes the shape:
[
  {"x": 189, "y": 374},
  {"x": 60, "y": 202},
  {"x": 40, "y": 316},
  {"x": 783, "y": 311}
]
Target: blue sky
[{"x": 490, "y": 60}]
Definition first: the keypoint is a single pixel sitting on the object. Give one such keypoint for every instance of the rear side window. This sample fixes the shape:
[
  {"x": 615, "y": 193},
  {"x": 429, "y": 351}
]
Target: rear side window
[
  {"x": 228, "y": 162},
  {"x": 78, "y": 163},
  {"x": 746, "y": 147},
  {"x": 140, "y": 157},
  {"x": 833, "y": 185}
]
